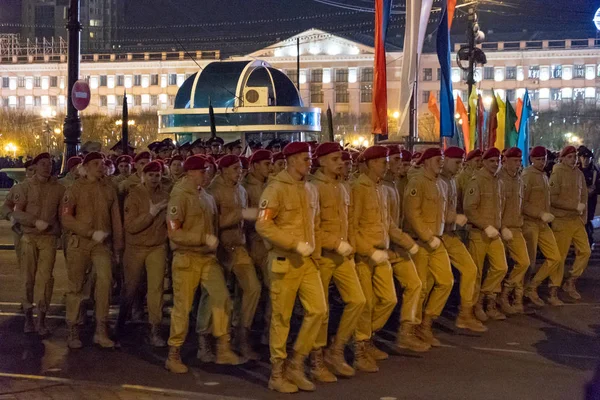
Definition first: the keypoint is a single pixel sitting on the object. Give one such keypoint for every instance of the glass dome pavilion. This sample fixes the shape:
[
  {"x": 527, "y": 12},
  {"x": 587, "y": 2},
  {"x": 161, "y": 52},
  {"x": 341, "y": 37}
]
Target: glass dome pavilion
[{"x": 248, "y": 97}]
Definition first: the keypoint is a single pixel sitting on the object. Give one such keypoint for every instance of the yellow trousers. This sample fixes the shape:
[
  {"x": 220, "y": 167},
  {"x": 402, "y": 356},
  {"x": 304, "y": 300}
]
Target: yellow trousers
[
  {"x": 377, "y": 282},
  {"x": 567, "y": 231},
  {"x": 480, "y": 247},
  {"x": 517, "y": 250},
  {"x": 343, "y": 272},
  {"x": 38, "y": 253},
  {"x": 259, "y": 254},
  {"x": 463, "y": 262},
  {"x": 84, "y": 258},
  {"x": 539, "y": 235},
  {"x": 406, "y": 273},
  {"x": 291, "y": 277},
  {"x": 189, "y": 271},
  {"x": 153, "y": 260},
  {"x": 433, "y": 267}
]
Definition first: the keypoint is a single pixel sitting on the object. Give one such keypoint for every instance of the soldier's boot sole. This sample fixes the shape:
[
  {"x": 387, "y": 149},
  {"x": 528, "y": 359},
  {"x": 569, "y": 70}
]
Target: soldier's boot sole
[
  {"x": 176, "y": 367},
  {"x": 473, "y": 325},
  {"x": 412, "y": 343},
  {"x": 338, "y": 367}
]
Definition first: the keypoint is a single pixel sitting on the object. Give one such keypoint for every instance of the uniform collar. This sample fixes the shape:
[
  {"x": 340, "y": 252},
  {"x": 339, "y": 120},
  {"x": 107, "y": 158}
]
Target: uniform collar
[
  {"x": 428, "y": 175},
  {"x": 320, "y": 176},
  {"x": 252, "y": 180}
]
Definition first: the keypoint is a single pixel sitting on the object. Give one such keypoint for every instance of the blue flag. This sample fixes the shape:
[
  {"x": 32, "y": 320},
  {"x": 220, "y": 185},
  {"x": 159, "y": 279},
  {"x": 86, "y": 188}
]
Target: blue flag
[
  {"x": 523, "y": 142},
  {"x": 447, "y": 126}
]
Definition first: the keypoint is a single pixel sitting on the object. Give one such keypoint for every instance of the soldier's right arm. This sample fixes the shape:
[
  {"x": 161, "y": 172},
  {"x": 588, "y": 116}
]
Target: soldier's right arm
[
  {"x": 556, "y": 186},
  {"x": 19, "y": 214},
  {"x": 68, "y": 220},
  {"x": 530, "y": 208},
  {"x": 362, "y": 246},
  {"x": 413, "y": 200},
  {"x": 265, "y": 224},
  {"x": 177, "y": 211},
  {"x": 471, "y": 204}
]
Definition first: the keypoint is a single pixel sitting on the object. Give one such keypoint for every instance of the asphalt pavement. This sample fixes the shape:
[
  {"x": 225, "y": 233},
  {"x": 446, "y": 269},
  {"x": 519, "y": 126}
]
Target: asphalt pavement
[{"x": 550, "y": 353}]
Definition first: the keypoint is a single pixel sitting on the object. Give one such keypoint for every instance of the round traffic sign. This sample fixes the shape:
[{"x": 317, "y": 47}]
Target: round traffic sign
[{"x": 81, "y": 95}]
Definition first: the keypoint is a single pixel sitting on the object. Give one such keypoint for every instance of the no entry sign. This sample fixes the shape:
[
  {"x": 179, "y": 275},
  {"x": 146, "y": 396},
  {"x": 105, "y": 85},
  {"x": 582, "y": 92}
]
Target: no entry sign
[{"x": 81, "y": 95}]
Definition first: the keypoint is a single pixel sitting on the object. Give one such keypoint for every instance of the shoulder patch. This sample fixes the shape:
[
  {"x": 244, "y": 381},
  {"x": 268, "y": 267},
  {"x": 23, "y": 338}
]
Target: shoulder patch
[
  {"x": 552, "y": 183},
  {"x": 413, "y": 192},
  {"x": 173, "y": 210},
  {"x": 16, "y": 197},
  {"x": 471, "y": 191},
  {"x": 264, "y": 204}
]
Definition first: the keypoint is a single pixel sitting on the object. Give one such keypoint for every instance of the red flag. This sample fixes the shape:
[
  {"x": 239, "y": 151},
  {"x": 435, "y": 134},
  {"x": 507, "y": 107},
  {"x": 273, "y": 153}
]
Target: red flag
[
  {"x": 379, "y": 106},
  {"x": 480, "y": 112},
  {"x": 492, "y": 122},
  {"x": 519, "y": 112},
  {"x": 464, "y": 116}
]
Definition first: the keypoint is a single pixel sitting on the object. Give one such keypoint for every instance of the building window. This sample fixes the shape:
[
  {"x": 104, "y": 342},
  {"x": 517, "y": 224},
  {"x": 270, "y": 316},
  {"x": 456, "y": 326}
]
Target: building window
[
  {"x": 54, "y": 81},
  {"x": 21, "y": 82},
  {"x": 154, "y": 100},
  {"x": 534, "y": 72},
  {"x": 366, "y": 74},
  {"x": 137, "y": 80},
  {"x": 511, "y": 73},
  {"x": 366, "y": 93},
  {"x": 316, "y": 76},
  {"x": 37, "y": 101},
  {"x": 137, "y": 100},
  {"x": 5, "y": 82},
  {"x": 555, "y": 94},
  {"x": 171, "y": 100},
  {"x": 488, "y": 73},
  {"x": 103, "y": 101},
  {"x": 172, "y": 79},
  {"x": 427, "y": 74},
  {"x": 154, "y": 79},
  {"x": 579, "y": 71},
  {"x": 37, "y": 81},
  {"x": 425, "y": 98},
  {"x": 341, "y": 93},
  {"x": 556, "y": 72},
  {"x": 120, "y": 100},
  {"x": 103, "y": 80},
  {"x": 510, "y": 94},
  {"x": 316, "y": 93},
  {"x": 292, "y": 74},
  {"x": 53, "y": 101},
  {"x": 120, "y": 80},
  {"x": 535, "y": 94},
  {"x": 341, "y": 75},
  {"x": 21, "y": 101}
]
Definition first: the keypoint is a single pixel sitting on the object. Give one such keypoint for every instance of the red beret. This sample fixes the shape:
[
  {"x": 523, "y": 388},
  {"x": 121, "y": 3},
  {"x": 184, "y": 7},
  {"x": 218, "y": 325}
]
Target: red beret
[
  {"x": 260, "y": 155},
  {"x": 94, "y": 155},
  {"x": 394, "y": 149},
  {"x": 28, "y": 163},
  {"x": 375, "y": 152},
  {"x": 153, "y": 166},
  {"x": 296, "y": 148},
  {"x": 245, "y": 162},
  {"x": 73, "y": 162},
  {"x": 405, "y": 155},
  {"x": 346, "y": 156},
  {"x": 416, "y": 155},
  {"x": 454, "y": 152},
  {"x": 278, "y": 156},
  {"x": 538, "y": 151},
  {"x": 430, "y": 153},
  {"x": 40, "y": 157},
  {"x": 474, "y": 153},
  {"x": 565, "y": 152},
  {"x": 124, "y": 158},
  {"x": 194, "y": 163},
  {"x": 492, "y": 152},
  {"x": 228, "y": 161},
  {"x": 327, "y": 148},
  {"x": 176, "y": 158},
  {"x": 315, "y": 162},
  {"x": 142, "y": 155},
  {"x": 513, "y": 152}
]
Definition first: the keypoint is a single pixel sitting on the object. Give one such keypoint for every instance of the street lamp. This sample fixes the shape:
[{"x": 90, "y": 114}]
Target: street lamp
[
  {"x": 130, "y": 122},
  {"x": 11, "y": 147}
]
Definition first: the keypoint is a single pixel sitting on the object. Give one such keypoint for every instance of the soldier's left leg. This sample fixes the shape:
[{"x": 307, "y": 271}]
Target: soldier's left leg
[
  {"x": 102, "y": 265},
  {"x": 346, "y": 281},
  {"x": 439, "y": 268},
  {"x": 46, "y": 246},
  {"x": 563, "y": 233},
  {"x": 517, "y": 249},
  {"x": 421, "y": 261},
  {"x": 493, "y": 281},
  {"x": 406, "y": 274},
  {"x": 155, "y": 271},
  {"x": 582, "y": 250},
  {"x": 29, "y": 258},
  {"x": 247, "y": 280},
  {"x": 384, "y": 292},
  {"x": 463, "y": 262},
  {"x": 326, "y": 268}
]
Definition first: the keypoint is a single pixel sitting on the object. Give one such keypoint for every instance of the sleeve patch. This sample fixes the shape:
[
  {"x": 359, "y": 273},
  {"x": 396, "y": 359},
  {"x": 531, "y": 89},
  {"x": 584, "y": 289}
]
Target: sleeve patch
[
  {"x": 265, "y": 214},
  {"x": 551, "y": 183},
  {"x": 16, "y": 197},
  {"x": 413, "y": 192},
  {"x": 174, "y": 224},
  {"x": 471, "y": 192},
  {"x": 173, "y": 210},
  {"x": 66, "y": 198},
  {"x": 264, "y": 204}
]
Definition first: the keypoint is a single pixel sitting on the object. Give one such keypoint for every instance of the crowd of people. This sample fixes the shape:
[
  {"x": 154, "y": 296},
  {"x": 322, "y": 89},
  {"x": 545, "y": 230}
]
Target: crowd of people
[{"x": 290, "y": 221}]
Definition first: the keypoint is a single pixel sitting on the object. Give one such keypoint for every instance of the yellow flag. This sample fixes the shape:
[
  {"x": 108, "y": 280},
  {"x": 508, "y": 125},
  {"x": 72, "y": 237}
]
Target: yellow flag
[
  {"x": 500, "y": 132},
  {"x": 473, "y": 119}
]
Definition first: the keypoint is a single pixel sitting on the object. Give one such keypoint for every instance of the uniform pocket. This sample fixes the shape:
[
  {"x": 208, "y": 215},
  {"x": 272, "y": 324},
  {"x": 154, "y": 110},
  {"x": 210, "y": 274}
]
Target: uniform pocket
[
  {"x": 181, "y": 262},
  {"x": 280, "y": 265},
  {"x": 73, "y": 241}
]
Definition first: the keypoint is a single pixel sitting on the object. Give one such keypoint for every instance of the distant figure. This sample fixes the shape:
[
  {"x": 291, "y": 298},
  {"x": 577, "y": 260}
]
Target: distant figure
[{"x": 590, "y": 172}]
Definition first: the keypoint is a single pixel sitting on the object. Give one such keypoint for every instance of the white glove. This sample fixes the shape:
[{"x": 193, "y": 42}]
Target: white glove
[
  {"x": 250, "y": 214},
  {"x": 461, "y": 220},
  {"x": 547, "y": 217},
  {"x": 99, "y": 236},
  {"x": 344, "y": 249},
  {"x": 155, "y": 209},
  {"x": 435, "y": 242},
  {"x": 379, "y": 256},
  {"x": 413, "y": 250},
  {"x": 41, "y": 225},
  {"x": 304, "y": 249},
  {"x": 211, "y": 241},
  {"x": 580, "y": 207},
  {"x": 491, "y": 232},
  {"x": 507, "y": 234}
]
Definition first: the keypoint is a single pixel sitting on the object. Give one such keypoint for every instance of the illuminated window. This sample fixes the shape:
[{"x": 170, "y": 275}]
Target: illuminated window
[
  {"x": 341, "y": 93},
  {"x": 366, "y": 93},
  {"x": 427, "y": 74},
  {"x": 341, "y": 75},
  {"x": 578, "y": 71},
  {"x": 488, "y": 73},
  {"x": 316, "y": 93},
  {"x": 366, "y": 74},
  {"x": 511, "y": 73},
  {"x": 534, "y": 72}
]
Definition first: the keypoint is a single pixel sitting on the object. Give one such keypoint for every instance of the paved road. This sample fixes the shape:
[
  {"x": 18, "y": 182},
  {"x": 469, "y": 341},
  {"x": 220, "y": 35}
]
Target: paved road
[{"x": 549, "y": 354}]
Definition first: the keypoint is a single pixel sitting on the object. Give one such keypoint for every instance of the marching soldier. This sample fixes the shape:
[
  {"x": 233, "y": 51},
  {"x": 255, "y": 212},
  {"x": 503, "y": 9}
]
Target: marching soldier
[
  {"x": 537, "y": 233},
  {"x": 483, "y": 204},
  {"x": 424, "y": 216},
  {"x": 91, "y": 214},
  {"x": 145, "y": 248},
  {"x": 473, "y": 162},
  {"x": 287, "y": 221},
  {"x": 124, "y": 167},
  {"x": 278, "y": 163},
  {"x": 402, "y": 180},
  {"x": 140, "y": 161},
  {"x": 176, "y": 168},
  {"x": 72, "y": 174},
  {"x": 37, "y": 203},
  {"x": 568, "y": 194},
  {"x": 192, "y": 225},
  {"x": 458, "y": 253},
  {"x": 371, "y": 230},
  {"x": 333, "y": 255}
]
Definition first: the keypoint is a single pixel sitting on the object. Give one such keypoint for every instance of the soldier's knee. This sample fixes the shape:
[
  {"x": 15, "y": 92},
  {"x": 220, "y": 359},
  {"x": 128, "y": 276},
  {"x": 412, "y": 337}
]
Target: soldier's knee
[{"x": 357, "y": 300}]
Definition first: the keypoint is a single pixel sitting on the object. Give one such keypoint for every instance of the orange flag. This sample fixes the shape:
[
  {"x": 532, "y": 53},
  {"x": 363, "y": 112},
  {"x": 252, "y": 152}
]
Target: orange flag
[
  {"x": 433, "y": 108},
  {"x": 464, "y": 116},
  {"x": 519, "y": 112}
]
